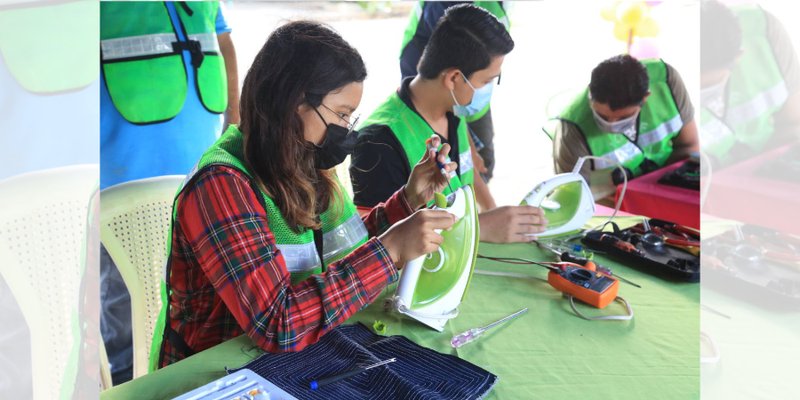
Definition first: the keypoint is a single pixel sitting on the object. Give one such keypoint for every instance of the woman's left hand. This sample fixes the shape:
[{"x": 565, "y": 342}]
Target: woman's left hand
[{"x": 426, "y": 178}]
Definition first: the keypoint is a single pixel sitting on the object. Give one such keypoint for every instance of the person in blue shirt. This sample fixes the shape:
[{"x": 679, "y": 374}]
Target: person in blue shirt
[{"x": 147, "y": 127}]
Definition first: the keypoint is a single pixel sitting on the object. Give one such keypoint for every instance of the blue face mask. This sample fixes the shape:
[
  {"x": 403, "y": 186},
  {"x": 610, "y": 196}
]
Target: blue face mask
[{"x": 480, "y": 98}]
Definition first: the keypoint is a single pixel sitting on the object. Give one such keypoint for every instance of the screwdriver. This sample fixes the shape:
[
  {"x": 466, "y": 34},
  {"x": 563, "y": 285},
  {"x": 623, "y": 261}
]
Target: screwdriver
[
  {"x": 315, "y": 384},
  {"x": 472, "y": 334},
  {"x": 429, "y": 142},
  {"x": 591, "y": 265}
]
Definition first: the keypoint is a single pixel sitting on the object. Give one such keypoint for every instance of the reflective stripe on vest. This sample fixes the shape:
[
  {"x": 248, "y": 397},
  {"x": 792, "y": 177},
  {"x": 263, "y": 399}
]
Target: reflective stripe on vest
[
  {"x": 299, "y": 257},
  {"x": 208, "y": 41},
  {"x": 627, "y": 152},
  {"x": 137, "y": 46},
  {"x": 759, "y": 105},
  {"x": 152, "y": 45},
  {"x": 338, "y": 242},
  {"x": 660, "y": 132}
]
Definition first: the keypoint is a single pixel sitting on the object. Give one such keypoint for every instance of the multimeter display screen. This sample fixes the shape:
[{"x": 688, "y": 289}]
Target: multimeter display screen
[{"x": 589, "y": 280}]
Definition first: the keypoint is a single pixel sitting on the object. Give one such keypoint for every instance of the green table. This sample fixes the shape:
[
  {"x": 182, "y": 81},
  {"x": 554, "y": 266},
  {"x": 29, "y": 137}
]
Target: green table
[{"x": 549, "y": 353}]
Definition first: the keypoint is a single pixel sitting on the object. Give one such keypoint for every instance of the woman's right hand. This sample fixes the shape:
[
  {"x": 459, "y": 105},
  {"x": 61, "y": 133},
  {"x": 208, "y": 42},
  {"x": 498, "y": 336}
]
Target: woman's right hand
[{"x": 415, "y": 236}]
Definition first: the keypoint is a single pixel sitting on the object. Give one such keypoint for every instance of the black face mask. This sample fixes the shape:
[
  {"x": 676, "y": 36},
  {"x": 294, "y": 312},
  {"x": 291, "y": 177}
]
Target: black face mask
[{"x": 338, "y": 144}]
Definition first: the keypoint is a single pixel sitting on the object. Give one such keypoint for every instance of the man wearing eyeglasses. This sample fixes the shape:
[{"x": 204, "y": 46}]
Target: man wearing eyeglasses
[
  {"x": 634, "y": 113},
  {"x": 457, "y": 70}
]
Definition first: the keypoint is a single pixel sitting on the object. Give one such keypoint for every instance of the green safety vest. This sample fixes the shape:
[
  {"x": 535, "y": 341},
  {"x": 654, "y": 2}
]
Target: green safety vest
[
  {"x": 142, "y": 59},
  {"x": 494, "y": 7},
  {"x": 342, "y": 228},
  {"x": 659, "y": 122},
  {"x": 412, "y": 131},
  {"x": 756, "y": 91},
  {"x": 50, "y": 47}
]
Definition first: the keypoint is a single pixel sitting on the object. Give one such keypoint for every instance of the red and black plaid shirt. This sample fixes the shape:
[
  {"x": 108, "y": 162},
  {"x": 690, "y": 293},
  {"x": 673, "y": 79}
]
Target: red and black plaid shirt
[{"x": 228, "y": 277}]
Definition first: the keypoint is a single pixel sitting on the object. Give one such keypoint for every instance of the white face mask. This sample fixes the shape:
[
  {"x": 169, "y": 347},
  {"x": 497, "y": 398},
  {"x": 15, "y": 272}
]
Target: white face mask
[
  {"x": 625, "y": 126},
  {"x": 713, "y": 97}
]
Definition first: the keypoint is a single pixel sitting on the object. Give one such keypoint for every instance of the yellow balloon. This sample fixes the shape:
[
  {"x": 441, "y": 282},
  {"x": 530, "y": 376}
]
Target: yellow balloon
[
  {"x": 647, "y": 28},
  {"x": 633, "y": 14},
  {"x": 621, "y": 31}
]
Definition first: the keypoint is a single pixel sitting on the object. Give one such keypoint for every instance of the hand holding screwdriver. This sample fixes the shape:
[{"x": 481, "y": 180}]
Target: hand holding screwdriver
[{"x": 432, "y": 147}]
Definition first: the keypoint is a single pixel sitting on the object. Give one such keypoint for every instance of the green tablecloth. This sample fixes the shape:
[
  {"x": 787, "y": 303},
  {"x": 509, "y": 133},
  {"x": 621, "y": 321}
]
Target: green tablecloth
[{"x": 549, "y": 353}]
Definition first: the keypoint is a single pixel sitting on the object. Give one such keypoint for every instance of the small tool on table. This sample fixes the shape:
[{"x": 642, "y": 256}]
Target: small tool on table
[
  {"x": 472, "y": 334},
  {"x": 315, "y": 384}
]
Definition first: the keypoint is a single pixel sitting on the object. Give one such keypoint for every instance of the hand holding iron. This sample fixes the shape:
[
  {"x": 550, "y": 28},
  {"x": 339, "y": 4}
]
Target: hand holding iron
[
  {"x": 427, "y": 178},
  {"x": 415, "y": 236},
  {"x": 512, "y": 224}
]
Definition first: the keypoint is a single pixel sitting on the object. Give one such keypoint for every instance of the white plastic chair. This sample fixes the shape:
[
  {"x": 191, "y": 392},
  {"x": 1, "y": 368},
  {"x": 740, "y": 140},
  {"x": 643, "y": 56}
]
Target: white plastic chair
[
  {"x": 44, "y": 244},
  {"x": 134, "y": 228}
]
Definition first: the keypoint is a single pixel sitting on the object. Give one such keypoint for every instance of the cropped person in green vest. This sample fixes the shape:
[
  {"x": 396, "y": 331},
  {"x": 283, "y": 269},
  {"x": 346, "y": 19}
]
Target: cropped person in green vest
[
  {"x": 421, "y": 23},
  {"x": 265, "y": 241},
  {"x": 634, "y": 113},
  {"x": 750, "y": 83},
  {"x": 169, "y": 83},
  {"x": 458, "y": 67}
]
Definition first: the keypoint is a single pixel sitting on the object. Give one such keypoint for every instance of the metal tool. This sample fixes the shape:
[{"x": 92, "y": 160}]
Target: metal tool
[
  {"x": 315, "y": 384},
  {"x": 472, "y": 334}
]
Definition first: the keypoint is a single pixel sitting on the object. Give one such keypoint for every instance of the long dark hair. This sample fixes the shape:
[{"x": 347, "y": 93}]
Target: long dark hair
[{"x": 301, "y": 62}]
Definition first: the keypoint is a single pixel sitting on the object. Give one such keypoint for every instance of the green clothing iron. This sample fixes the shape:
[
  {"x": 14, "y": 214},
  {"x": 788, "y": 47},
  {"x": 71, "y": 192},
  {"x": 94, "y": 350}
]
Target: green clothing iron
[
  {"x": 431, "y": 287},
  {"x": 566, "y": 200}
]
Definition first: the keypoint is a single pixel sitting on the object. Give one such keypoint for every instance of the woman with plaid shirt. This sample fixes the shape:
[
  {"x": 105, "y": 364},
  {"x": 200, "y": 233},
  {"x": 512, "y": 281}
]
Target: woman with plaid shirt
[{"x": 264, "y": 239}]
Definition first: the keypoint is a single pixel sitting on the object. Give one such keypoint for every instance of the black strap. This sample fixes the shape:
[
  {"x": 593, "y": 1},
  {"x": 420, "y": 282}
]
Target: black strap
[
  {"x": 318, "y": 244},
  {"x": 194, "y": 49},
  {"x": 186, "y": 8},
  {"x": 177, "y": 341}
]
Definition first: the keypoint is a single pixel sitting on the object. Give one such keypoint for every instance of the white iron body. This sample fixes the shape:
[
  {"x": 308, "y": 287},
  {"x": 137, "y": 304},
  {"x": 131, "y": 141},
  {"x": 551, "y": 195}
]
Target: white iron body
[
  {"x": 566, "y": 201},
  {"x": 432, "y": 286}
]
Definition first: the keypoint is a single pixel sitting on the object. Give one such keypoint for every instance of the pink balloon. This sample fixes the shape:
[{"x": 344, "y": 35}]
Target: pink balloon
[
  {"x": 653, "y": 3},
  {"x": 644, "y": 48}
]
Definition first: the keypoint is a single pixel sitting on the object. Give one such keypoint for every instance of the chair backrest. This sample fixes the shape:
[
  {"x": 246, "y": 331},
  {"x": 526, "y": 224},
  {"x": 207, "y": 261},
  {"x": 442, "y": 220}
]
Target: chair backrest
[
  {"x": 134, "y": 228},
  {"x": 44, "y": 234}
]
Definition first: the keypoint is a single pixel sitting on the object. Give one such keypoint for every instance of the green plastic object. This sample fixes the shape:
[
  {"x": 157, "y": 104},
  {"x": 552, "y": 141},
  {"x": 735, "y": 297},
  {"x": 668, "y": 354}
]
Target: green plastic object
[
  {"x": 567, "y": 198},
  {"x": 379, "y": 327},
  {"x": 440, "y": 200},
  {"x": 442, "y": 270}
]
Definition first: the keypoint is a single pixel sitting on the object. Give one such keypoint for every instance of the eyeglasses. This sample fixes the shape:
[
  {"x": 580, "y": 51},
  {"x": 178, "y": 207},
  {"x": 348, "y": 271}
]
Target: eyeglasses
[{"x": 350, "y": 125}]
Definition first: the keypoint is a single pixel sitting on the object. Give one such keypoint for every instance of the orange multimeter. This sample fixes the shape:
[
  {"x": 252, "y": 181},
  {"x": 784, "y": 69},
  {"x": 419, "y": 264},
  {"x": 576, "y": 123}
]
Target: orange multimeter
[{"x": 591, "y": 287}]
